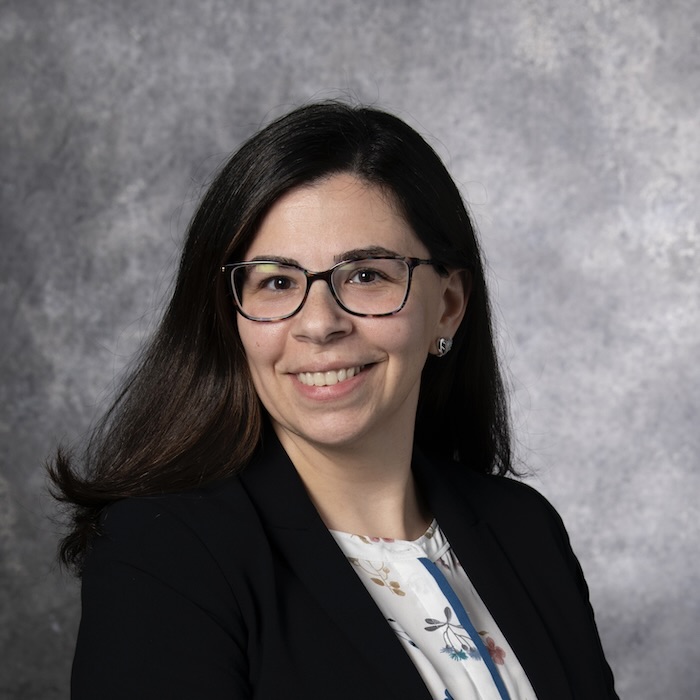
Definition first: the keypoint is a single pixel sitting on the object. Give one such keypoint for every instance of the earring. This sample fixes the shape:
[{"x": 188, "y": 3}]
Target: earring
[{"x": 444, "y": 345}]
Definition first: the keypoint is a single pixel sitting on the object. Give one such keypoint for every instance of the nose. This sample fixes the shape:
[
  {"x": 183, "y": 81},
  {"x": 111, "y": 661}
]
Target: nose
[{"x": 321, "y": 320}]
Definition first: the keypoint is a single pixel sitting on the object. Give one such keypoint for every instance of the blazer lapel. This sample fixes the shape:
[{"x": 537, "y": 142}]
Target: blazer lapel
[
  {"x": 295, "y": 527},
  {"x": 492, "y": 574}
]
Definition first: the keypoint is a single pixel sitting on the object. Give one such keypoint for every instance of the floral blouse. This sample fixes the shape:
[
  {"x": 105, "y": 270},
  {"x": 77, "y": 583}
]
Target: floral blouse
[{"x": 443, "y": 624}]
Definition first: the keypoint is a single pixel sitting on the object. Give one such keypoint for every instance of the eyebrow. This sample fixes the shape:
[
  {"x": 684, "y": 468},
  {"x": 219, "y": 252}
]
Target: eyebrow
[
  {"x": 276, "y": 258},
  {"x": 347, "y": 255},
  {"x": 360, "y": 253}
]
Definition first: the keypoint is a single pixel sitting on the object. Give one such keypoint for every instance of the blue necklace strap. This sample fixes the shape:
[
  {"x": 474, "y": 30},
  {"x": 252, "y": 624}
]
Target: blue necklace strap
[{"x": 462, "y": 616}]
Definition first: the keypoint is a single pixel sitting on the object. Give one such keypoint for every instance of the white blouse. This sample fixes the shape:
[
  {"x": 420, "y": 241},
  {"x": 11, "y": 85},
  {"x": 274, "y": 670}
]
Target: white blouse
[{"x": 443, "y": 624}]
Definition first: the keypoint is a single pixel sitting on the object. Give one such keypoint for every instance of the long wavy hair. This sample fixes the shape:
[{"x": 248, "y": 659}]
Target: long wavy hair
[{"x": 188, "y": 414}]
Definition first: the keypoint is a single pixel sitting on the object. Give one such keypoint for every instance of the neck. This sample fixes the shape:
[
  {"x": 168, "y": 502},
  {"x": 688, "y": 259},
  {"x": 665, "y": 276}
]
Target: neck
[{"x": 367, "y": 490}]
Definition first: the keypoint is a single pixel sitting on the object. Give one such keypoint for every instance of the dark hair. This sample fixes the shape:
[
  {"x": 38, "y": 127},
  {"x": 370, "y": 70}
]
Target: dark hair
[{"x": 188, "y": 414}]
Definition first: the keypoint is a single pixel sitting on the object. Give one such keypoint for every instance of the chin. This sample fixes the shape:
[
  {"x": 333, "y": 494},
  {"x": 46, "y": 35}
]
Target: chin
[{"x": 333, "y": 434}]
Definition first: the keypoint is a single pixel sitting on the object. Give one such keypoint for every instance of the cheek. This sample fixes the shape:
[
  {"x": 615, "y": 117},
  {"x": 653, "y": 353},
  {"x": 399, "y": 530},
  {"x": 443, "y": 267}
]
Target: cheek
[
  {"x": 407, "y": 338},
  {"x": 421, "y": 323},
  {"x": 260, "y": 343}
]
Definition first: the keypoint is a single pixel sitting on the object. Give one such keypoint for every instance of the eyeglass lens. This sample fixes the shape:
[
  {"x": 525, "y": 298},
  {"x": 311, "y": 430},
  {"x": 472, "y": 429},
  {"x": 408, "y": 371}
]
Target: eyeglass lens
[{"x": 269, "y": 290}]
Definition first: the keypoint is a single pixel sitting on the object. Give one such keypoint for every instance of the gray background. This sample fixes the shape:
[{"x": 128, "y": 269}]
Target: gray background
[{"x": 572, "y": 129}]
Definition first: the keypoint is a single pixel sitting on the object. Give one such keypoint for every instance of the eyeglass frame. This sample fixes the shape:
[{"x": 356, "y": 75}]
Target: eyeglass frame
[{"x": 327, "y": 276}]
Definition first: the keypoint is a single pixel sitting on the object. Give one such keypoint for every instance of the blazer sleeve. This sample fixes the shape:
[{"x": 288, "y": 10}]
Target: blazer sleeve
[
  {"x": 159, "y": 619},
  {"x": 578, "y": 576},
  {"x": 540, "y": 549}
]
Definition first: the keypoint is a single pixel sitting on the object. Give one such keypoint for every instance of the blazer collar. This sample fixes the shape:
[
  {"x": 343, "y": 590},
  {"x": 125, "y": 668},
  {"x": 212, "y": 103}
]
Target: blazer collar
[{"x": 294, "y": 524}]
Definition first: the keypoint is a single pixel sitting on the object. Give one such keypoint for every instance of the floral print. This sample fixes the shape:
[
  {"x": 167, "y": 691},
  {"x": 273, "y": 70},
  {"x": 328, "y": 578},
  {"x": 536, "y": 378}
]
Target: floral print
[
  {"x": 495, "y": 652},
  {"x": 458, "y": 644},
  {"x": 379, "y": 575},
  {"x": 370, "y": 540},
  {"x": 433, "y": 610}
]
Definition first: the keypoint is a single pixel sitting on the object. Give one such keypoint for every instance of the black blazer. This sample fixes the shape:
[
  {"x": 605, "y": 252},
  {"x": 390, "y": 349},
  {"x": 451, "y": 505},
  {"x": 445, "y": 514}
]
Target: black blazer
[{"x": 239, "y": 591}]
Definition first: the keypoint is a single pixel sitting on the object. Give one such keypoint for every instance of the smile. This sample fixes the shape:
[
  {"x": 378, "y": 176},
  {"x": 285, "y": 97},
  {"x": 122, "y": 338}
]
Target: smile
[{"x": 328, "y": 378}]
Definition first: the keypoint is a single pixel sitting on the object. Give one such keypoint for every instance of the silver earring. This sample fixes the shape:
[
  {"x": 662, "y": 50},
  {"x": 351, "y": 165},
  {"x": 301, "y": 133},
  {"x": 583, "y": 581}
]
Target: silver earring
[{"x": 444, "y": 345}]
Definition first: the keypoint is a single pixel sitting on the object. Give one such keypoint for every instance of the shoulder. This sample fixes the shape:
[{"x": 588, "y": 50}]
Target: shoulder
[
  {"x": 511, "y": 508},
  {"x": 191, "y": 509},
  {"x": 177, "y": 517},
  {"x": 489, "y": 493},
  {"x": 514, "y": 506},
  {"x": 523, "y": 523},
  {"x": 191, "y": 537},
  {"x": 505, "y": 494}
]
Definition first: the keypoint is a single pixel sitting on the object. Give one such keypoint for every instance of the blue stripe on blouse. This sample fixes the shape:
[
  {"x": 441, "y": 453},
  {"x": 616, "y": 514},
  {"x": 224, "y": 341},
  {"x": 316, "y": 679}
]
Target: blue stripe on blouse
[{"x": 462, "y": 616}]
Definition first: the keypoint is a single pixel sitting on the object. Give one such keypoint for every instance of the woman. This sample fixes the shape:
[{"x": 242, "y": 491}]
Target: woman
[{"x": 299, "y": 492}]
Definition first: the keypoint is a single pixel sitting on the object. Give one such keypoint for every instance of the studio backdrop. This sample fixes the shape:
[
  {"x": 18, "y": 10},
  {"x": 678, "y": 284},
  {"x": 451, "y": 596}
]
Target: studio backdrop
[{"x": 572, "y": 130}]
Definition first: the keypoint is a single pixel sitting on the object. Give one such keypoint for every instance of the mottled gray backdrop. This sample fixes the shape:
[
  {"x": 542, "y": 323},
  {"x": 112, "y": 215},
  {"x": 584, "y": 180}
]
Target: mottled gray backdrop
[{"x": 572, "y": 129}]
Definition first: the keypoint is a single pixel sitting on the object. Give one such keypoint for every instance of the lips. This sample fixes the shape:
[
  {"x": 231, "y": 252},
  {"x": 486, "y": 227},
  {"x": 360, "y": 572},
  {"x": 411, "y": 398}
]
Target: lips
[{"x": 328, "y": 378}]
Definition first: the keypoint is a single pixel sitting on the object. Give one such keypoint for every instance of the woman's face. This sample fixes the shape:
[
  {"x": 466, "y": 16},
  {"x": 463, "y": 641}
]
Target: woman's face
[{"x": 325, "y": 376}]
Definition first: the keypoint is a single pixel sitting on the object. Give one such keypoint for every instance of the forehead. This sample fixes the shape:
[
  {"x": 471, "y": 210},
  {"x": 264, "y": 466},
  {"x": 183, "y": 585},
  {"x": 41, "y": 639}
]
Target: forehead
[{"x": 314, "y": 224}]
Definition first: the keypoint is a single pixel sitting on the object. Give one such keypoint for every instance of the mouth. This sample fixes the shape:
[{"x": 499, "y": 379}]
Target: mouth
[{"x": 329, "y": 378}]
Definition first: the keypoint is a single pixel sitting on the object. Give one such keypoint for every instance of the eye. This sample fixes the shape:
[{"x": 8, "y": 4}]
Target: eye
[
  {"x": 277, "y": 283},
  {"x": 366, "y": 275},
  {"x": 373, "y": 273},
  {"x": 269, "y": 278}
]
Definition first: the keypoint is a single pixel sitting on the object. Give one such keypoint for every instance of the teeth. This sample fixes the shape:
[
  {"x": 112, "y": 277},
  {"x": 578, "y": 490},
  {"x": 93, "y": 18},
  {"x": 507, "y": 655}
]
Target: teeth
[{"x": 328, "y": 378}]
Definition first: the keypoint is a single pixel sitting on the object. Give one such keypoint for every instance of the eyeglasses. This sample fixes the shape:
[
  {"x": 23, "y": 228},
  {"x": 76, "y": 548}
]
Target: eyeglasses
[{"x": 267, "y": 290}]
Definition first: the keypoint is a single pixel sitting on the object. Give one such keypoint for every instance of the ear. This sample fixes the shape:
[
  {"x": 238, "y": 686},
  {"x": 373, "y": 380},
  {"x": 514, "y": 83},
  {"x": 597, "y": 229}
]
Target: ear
[{"x": 456, "y": 288}]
